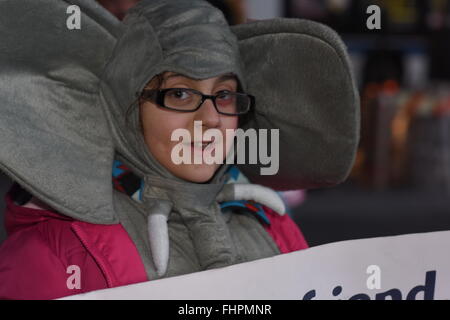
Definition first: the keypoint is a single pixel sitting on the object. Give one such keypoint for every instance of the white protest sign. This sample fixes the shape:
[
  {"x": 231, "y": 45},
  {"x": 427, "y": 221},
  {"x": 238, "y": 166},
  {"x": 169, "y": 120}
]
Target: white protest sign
[{"x": 410, "y": 266}]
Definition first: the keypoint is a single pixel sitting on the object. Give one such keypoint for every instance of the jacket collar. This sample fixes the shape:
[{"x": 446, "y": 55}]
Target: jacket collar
[{"x": 17, "y": 217}]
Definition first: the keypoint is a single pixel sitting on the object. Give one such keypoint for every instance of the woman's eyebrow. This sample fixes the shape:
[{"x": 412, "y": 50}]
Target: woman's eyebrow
[{"x": 226, "y": 77}]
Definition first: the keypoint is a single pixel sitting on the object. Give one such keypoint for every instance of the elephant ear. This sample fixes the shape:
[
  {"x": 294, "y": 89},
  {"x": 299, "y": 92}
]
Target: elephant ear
[
  {"x": 300, "y": 74},
  {"x": 53, "y": 136}
]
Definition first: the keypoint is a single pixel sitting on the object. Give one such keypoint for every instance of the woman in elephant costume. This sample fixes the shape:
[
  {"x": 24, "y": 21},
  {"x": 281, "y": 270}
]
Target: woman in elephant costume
[{"x": 82, "y": 107}]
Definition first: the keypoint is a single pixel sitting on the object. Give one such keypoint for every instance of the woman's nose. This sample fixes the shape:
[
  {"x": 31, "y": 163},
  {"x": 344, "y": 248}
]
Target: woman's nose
[{"x": 208, "y": 114}]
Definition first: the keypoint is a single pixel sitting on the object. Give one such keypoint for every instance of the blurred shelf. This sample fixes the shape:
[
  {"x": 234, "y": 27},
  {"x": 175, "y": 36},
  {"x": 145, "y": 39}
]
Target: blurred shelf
[
  {"x": 365, "y": 42},
  {"x": 346, "y": 212}
]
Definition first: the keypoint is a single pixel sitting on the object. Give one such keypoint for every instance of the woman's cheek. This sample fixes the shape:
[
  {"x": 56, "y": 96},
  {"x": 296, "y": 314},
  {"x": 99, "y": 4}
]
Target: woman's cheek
[
  {"x": 156, "y": 133},
  {"x": 229, "y": 133}
]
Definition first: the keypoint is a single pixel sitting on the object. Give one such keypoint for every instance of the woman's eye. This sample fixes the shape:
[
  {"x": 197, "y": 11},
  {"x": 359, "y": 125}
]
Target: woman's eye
[
  {"x": 225, "y": 99},
  {"x": 223, "y": 95},
  {"x": 179, "y": 94}
]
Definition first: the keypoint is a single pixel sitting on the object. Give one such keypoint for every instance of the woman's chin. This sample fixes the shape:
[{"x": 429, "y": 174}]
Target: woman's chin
[{"x": 197, "y": 173}]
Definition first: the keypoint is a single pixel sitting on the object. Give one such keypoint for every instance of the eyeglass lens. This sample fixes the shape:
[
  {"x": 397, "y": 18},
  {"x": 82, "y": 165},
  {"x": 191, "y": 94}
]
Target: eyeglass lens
[{"x": 226, "y": 102}]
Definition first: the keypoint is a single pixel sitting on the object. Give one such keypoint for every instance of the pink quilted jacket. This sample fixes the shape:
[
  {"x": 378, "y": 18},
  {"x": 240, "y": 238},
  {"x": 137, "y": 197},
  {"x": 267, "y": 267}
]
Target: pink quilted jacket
[{"x": 35, "y": 258}]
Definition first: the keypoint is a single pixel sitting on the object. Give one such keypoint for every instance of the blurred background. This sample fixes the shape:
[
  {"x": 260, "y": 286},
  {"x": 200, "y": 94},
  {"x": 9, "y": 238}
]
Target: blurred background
[{"x": 401, "y": 179}]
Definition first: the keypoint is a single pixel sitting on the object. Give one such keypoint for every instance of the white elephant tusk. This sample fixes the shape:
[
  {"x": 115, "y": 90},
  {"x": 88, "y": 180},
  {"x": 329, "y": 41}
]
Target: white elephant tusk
[
  {"x": 159, "y": 241},
  {"x": 259, "y": 194}
]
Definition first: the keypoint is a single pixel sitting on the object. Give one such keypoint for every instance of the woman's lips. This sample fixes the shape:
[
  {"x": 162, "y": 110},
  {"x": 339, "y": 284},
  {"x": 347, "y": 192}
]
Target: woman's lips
[{"x": 201, "y": 145}]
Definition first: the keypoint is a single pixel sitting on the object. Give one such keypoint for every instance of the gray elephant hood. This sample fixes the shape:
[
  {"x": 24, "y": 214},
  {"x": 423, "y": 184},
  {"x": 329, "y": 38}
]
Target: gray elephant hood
[{"x": 188, "y": 37}]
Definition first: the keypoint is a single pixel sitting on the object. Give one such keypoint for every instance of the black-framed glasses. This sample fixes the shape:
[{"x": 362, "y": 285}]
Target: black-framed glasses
[{"x": 190, "y": 100}]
